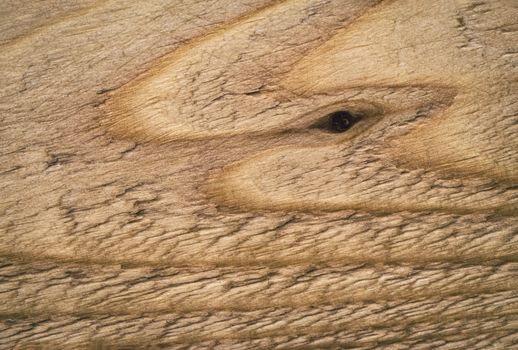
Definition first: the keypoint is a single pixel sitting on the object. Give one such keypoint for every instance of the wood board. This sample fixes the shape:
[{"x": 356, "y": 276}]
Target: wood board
[{"x": 169, "y": 178}]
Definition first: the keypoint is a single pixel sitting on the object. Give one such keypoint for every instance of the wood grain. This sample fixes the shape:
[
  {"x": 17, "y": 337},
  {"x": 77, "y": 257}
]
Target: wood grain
[{"x": 167, "y": 179}]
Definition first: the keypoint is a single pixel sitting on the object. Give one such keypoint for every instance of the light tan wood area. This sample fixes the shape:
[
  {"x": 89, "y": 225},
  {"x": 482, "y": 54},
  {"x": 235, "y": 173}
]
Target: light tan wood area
[{"x": 169, "y": 180}]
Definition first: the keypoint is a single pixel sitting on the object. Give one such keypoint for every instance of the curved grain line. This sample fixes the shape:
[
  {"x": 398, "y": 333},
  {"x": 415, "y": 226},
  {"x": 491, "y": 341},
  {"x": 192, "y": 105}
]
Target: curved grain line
[{"x": 52, "y": 23}]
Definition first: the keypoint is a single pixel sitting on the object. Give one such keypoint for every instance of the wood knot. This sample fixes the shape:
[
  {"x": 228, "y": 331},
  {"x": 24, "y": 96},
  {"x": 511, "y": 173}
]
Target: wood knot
[{"x": 340, "y": 121}]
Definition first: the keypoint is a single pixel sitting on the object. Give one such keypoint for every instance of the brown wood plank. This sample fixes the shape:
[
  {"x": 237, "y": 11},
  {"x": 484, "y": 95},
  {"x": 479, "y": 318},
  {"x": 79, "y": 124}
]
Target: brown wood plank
[{"x": 172, "y": 174}]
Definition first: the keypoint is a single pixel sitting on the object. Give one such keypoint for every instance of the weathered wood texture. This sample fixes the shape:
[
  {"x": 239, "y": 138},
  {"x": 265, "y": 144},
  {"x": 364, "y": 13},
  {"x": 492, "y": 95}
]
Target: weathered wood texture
[{"x": 165, "y": 180}]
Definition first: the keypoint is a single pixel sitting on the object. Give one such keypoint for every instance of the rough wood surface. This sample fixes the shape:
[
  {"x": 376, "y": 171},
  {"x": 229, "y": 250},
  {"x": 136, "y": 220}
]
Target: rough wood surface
[{"x": 166, "y": 180}]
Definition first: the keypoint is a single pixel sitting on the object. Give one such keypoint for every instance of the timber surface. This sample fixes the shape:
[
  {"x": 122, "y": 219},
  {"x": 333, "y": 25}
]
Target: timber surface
[{"x": 163, "y": 184}]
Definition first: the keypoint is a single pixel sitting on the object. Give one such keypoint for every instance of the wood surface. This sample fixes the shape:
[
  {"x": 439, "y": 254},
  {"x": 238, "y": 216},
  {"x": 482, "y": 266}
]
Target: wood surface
[{"x": 167, "y": 180}]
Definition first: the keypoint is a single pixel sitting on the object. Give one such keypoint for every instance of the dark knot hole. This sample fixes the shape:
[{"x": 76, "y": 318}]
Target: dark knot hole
[{"x": 340, "y": 121}]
